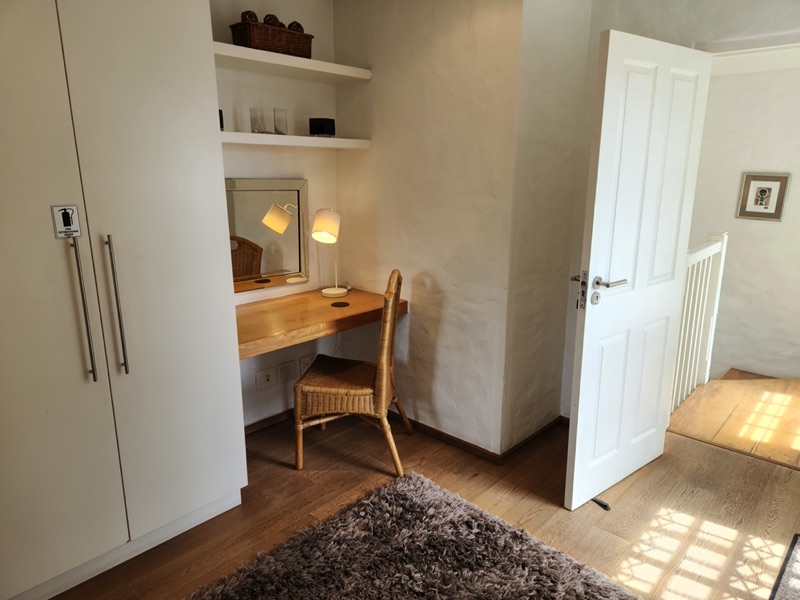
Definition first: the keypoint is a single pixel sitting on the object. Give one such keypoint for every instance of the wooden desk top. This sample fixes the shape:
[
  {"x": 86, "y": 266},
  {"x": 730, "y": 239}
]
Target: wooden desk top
[{"x": 278, "y": 323}]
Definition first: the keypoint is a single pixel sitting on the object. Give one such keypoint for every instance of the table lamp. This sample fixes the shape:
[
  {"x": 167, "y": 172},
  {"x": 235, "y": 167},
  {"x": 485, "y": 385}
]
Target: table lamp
[
  {"x": 326, "y": 231},
  {"x": 278, "y": 217}
]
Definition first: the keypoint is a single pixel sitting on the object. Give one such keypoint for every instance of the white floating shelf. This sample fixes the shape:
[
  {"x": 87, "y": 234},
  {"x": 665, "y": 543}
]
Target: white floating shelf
[
  {"x": 228, "y": 56},
  {"x": 266, "y": 139}
]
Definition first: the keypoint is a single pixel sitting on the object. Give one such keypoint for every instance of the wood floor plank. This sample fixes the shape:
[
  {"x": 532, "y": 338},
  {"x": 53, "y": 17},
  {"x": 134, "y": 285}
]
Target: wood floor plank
[
  {"x": 666, "y": 534},
  {"x": 739, "y": 374},
  {"x": 753, "y": 418},
  {"x": 527, "y": 496},
  {"x": 600, "y": 548},
  {"x": 756, "y": 416},
  {"x": 695, "y": 543},
  {"x": 634, "y": 508},
  {"x": 767, "y": 535}
]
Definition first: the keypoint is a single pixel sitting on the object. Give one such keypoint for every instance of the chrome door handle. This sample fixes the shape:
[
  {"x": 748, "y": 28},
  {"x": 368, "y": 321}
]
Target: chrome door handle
[
  {"x": 598, "y": 282},
  {"x": 125, "y": 362},
  {"x": 89, "y": 340}
]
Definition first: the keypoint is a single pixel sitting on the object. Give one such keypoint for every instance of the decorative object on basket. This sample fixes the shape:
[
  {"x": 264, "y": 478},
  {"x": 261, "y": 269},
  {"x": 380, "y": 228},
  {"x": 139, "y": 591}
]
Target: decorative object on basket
[
  {"x": 272, "y": 35},
  {"x": 322, "y": 127},
  {"x": 274, "y": 21}
]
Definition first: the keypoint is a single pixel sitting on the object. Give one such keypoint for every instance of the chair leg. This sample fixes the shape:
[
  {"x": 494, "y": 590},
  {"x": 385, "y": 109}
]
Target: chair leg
[
  {"x": 298, "y": 429},
  {"x": 406, "y": 422},
  {"x": 298, "y": 436},
  {"x": 387, "y": 432}
]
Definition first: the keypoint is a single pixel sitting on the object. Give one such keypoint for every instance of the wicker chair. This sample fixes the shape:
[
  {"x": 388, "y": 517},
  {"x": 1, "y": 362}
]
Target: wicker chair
[
  {"x": 333, "y": 388},
  {"x": 245, "y": 257}
]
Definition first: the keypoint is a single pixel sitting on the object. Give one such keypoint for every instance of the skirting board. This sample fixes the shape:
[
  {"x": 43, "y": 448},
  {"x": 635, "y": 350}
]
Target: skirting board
[
  {"x": 434, "y": 433},
  {"x": 482, "y": 452},
  {"x": 86, "y": 571},
  {"x": 284, "y": 416}
]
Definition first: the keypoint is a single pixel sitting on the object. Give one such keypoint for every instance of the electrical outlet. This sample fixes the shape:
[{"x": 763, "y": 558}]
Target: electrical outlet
[
  {"x": 305, "y": 362},
  {"x": 266, "y": 378},
  {"x": 287, "y": 371}
]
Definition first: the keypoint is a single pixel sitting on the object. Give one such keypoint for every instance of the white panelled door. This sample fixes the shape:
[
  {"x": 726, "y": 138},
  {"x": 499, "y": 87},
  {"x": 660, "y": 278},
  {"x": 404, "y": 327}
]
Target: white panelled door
[{"x": 641, "y": 191}]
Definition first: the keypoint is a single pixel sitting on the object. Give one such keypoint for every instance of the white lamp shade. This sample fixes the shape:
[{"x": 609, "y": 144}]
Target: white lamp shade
[
  {"x": 277, "y": 218},
  {"x": 326, "y": 226}
]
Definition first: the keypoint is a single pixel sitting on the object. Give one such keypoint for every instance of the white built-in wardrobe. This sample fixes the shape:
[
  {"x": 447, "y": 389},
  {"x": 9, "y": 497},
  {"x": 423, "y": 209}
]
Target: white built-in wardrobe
[{"x": 110, "y": 105}]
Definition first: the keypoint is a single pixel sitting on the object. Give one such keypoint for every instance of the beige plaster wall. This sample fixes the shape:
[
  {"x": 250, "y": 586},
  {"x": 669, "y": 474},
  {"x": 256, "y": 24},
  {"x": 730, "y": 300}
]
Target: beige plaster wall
[
  {"x": 547, "y": 181},
  {"x": 753, "y": 125},
  {"x": 433, "y": 195},
  {"x": 695, "y": 22}
]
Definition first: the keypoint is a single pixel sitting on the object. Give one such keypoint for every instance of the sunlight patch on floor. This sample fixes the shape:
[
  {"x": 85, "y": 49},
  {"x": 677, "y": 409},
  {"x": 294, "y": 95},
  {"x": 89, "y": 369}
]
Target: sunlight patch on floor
[
  {"x": 709, "y": 550},
  {"x": 757, "y": 567},
  {"x": 766, "y": 417}
]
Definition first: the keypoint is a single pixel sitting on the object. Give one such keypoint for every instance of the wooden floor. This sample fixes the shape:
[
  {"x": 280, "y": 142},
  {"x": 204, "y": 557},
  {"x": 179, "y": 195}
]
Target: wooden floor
[
  {"x": 756, "y": 415},
  {"x": 698, "y": 523}
]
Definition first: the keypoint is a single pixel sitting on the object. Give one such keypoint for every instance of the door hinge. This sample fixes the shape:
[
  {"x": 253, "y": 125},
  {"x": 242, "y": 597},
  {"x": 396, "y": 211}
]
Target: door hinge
[{"x": 583, "y": 278}]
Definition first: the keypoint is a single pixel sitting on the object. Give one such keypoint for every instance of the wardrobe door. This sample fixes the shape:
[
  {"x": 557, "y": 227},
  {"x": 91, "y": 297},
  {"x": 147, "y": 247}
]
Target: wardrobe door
[
  {"x": 142, "y": 83},
  {"x": 61, "y": 500}
]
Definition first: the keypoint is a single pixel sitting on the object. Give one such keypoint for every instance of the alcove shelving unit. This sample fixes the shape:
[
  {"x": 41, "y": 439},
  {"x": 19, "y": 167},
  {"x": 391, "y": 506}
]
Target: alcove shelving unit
[{"x": 228, "y": 56}]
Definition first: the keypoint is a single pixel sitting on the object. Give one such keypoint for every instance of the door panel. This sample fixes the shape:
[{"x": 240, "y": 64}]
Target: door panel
[
  {"x": 61, "y": 500},
  {"x": 653, "y": 359},
  {"x": 145, "y": 110},
  {"x": 679, "y": 139},
  {"x": 631, "y": 168},
  {"x": 613, "y": 353},
  {"x": 644, "y": 167}
]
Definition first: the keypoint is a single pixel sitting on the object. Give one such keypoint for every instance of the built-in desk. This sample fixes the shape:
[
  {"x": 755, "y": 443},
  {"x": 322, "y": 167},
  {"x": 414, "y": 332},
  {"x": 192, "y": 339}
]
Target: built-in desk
[{"x": 278, "y": 323}]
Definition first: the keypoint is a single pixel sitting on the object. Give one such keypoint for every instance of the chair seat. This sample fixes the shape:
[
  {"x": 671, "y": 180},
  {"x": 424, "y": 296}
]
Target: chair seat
[
  {"x": 338, "y": 385},
  {"x": 350, "y": 376}
]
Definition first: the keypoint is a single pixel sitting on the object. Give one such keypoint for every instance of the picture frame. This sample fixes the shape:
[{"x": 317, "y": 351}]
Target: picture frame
[{"x": 763, "y": 196}]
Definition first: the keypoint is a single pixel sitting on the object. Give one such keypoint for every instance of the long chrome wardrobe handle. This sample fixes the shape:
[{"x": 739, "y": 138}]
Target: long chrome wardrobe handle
[
  {"x": 89, "y": 340},
  {"x": 125, "y": 362}
]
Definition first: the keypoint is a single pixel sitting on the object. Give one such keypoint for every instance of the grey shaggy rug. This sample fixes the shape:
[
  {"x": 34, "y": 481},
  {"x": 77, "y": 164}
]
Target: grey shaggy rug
[
  {"x": 412, "y": 539},
  {"x": 787, "y": 586}
]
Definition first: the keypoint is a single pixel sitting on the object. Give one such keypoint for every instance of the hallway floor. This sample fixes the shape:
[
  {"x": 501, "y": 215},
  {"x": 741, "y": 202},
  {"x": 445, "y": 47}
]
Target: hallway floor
[{"x": 749, "y": 413}]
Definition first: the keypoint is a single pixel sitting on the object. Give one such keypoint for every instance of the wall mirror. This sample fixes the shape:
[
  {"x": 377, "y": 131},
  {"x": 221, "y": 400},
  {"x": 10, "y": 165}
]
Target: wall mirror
[{"x": 260, "y": 256}]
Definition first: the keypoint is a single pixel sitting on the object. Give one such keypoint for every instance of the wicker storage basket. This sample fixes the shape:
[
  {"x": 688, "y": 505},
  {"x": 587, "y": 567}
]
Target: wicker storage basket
[{"x": 273, "y": 39}]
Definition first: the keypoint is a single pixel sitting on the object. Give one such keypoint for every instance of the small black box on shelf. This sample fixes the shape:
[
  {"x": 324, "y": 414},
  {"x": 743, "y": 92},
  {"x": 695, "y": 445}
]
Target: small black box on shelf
[{"x": 322, "y": 127}]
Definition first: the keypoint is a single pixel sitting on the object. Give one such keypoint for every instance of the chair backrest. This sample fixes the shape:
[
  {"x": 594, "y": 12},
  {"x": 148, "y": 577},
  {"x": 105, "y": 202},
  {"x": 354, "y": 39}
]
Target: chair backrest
[
  {"x": 384, "y": 380},
  {"x": 245, "y": 257}
]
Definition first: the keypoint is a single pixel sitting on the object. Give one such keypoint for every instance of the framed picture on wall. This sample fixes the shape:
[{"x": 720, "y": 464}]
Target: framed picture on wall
[{"x": 763, "y": 195}]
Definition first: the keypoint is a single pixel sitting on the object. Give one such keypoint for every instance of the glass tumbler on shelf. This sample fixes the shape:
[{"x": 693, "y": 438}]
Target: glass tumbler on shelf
[
  {"x": 257, "y": 121},
  {"x": 281, "y": 121}
]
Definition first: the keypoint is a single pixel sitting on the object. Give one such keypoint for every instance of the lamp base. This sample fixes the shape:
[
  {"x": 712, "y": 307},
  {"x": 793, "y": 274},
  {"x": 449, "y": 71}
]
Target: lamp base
[{"x": 334, "y": 292}]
